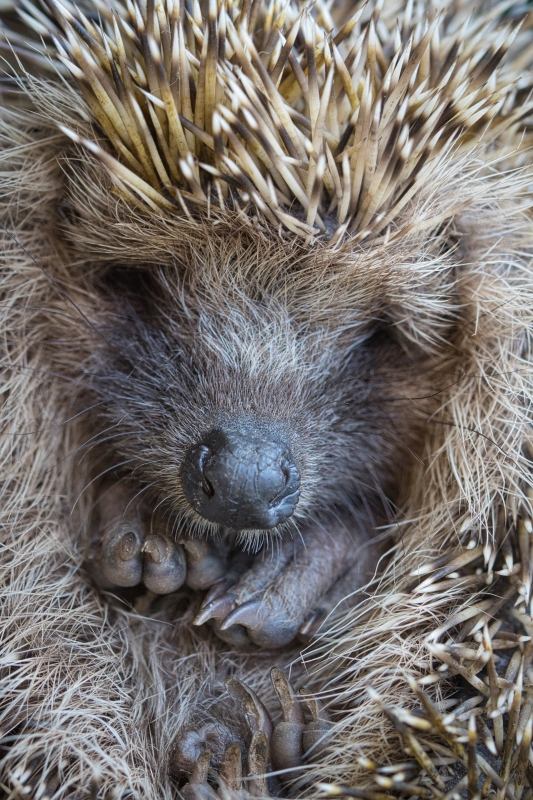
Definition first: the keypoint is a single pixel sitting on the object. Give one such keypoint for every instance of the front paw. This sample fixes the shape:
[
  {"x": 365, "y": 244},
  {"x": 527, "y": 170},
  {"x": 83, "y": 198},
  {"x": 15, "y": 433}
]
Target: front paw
[
  {"x": 128, "y": 545},
  {"x": 245, "y": 752},
  {"x": 126, "y": 555},
  {"x": 273, "y": 599}
]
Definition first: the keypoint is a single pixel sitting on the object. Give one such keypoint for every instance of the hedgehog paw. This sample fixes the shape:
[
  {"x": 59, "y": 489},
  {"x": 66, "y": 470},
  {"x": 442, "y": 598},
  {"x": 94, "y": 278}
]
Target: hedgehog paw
[
  {"x": 282, "y": 748},
  {"x": 233, "y": 784},
  {"x": 125, "y": 550},
  {"x": 126, "y": 547},
  {"x": 125, "y": 556},
  {"x": 273, "y": 600}
]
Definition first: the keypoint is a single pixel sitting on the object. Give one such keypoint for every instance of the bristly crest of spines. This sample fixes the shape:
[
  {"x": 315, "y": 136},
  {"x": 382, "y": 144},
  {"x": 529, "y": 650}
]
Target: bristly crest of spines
[{"x": 268, "y": 109}]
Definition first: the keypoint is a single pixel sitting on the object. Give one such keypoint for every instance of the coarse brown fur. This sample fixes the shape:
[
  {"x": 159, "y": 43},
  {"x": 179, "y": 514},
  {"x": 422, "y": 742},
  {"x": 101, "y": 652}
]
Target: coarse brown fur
[{"x": 128, "y": 329}]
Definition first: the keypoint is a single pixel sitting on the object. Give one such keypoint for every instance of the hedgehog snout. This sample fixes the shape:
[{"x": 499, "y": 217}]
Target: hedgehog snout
[{"x": 242, "y": 478}]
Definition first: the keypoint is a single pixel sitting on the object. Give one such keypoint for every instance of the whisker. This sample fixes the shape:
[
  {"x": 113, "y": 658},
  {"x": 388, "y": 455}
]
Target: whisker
[
  {"x": 524, "y": 475},
  {"x": 138, "y": 494},
  {"x": 101, "y": 474},
  {"x": 94, "y": 441},
  {"x": 59, "y": 424},
  {"x": 50, "y": 311},
  {"x": 40, "y": 371}
]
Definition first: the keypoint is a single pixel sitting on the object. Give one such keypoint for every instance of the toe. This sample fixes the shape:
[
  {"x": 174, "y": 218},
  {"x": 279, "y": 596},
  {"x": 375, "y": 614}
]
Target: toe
[
  {"x": 254, "y": 712},
  {"x": 164, "y": 568},
  {"x": 257, "y": 765},
  {"x": 316, "y": 733},
  {"x": 232, "y": 786},
  {"x": 231, "y": 768},
  {"x": 206, "y": 562},
  {"x": 287, "y": 738},
  {"x": 120, "y": 560},
  {"x": 197, "y": 788},
  {"x": 267, "y": 623}
]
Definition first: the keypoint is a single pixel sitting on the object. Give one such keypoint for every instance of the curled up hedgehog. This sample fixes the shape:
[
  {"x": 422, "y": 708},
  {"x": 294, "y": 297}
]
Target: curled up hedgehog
[{"x": 267, "y": 306}]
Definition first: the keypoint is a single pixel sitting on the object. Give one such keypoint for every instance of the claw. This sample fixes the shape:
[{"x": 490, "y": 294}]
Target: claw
[
  {"x": 255, "y": 713},
  {"x": 289, "y": 702},
  {"x": 257, "y": 765},
  {"x": 164, "y": 565},
  {"x": 121, "y": 563},
  {"x": 316, "y": 733},
  {"x": 312, "y": 624},
  {"x": 244, "y": 615},
  {"x": 216, "y": 609},
  {"x": 197, "y": 788},
  {"x": 199, "y": 773},
  {"x": 231, "y": 768},
  {"x": 215, "y": 591},
  {"x": 287, "y": 745}
]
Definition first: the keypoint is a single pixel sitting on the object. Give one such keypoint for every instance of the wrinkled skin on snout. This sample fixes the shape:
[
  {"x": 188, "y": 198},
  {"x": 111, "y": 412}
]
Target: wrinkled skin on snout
[{"x": 271, "y": 426}]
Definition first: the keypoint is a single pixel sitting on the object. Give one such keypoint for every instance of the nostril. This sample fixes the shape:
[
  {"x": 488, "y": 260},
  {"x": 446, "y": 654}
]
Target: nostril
[
  {"x": 286, "y": 472},
  {"x": 207, "y": 486}
]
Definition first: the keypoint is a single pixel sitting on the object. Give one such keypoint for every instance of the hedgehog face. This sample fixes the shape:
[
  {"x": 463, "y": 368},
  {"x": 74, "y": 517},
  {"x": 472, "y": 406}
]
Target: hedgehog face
[
  {"x": 254, "y": 403},
  {"x": 246, "y": 409}
]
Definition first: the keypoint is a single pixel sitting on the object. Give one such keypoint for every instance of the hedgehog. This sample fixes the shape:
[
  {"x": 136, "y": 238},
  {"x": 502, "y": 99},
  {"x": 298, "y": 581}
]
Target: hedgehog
[{"x": 267, "y": 308}]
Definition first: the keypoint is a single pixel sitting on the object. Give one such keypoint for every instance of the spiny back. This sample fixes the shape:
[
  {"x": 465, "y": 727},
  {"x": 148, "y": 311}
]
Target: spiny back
[{"x": 323, "y": 125}]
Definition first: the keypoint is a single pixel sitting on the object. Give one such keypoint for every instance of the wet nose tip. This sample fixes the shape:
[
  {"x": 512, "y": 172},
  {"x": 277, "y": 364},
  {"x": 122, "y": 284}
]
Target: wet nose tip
[{"x": 241, "y": 479}]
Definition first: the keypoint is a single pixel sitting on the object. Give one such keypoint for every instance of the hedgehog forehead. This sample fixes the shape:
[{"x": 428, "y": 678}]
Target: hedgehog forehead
[
  {"x": 201, "y": 267},
  {"x": 232, "y": 289}
]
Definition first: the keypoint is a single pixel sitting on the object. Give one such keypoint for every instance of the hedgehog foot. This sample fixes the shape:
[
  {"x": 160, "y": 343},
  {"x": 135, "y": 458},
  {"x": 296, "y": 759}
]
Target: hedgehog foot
[
  {"x": 277, "y": 596},
  {"x": 281, "y": 748},
  {"x": 128, "y": 546}
]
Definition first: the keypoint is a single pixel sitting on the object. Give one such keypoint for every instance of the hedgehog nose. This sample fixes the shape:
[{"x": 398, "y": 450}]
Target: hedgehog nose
[{"x": 241, "y": 479}]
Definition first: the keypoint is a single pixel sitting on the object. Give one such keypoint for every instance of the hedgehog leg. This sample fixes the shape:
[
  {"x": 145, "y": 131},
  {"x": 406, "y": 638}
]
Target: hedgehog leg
[
  {"x": 282, "y": 747},
  {"x": 277, "y": 595},
  {"x": 126, "y": 549}
]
